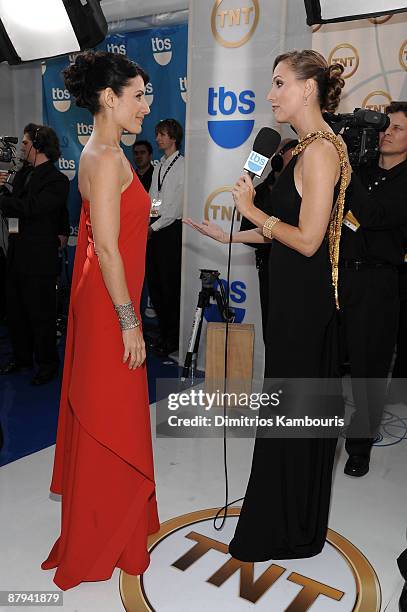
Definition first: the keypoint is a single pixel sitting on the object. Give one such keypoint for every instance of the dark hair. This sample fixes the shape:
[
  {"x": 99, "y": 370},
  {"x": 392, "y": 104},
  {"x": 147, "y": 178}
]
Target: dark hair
[
  {"x": 396, "y": 107},
  {"x": 93, "y": 72},
  {"x": 172, "y": 128},
  {"x": 309, "y": 64},
  {"x": 44, "y": 140},
  {"x": 145, "y": 144}
]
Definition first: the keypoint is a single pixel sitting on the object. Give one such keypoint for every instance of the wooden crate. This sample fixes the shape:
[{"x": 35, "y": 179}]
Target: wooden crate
[{"x": 240, "y": 357}]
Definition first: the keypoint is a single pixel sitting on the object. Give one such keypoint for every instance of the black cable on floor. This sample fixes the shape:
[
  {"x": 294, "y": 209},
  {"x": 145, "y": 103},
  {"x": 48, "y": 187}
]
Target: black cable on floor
[{"x": 225, "y": 462}]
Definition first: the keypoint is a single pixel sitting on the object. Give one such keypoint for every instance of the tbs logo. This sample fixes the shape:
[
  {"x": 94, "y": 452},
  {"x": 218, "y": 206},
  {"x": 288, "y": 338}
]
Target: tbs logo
[
  {"x": 230, "y": 133},
  {"x": 149, "y": 95},
  {"x": 84, "y": 131},
  {"x": 256, "y": 163},
  {"x": 73, "y": 235},
  {"x": 237, "y": 295},
  {"x": 61, "y": 99},
  {"x": 113, "y": 48},
  {"x": 183, "y": 87},
  {"x": 67, "y": 167},
  {"x": 162, "y": 50},
  {"x": 128, "y": 139}
]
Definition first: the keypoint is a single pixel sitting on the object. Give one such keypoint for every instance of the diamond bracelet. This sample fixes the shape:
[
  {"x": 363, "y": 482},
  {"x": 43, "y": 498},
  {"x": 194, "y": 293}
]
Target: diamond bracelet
[{"x": 127, "y": 316}]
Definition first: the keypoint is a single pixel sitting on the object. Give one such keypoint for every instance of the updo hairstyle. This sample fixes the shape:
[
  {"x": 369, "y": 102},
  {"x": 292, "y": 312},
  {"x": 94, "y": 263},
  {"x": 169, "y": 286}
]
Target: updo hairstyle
[
  {"x": 309, "y": 64},
  {"x": 93, "y": 72}
]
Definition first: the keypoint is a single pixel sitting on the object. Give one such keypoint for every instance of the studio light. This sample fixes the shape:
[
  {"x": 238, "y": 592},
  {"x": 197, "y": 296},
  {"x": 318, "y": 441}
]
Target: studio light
[
  {"x": 326, "y": 11},
  {"x": 37, "y": 29}
]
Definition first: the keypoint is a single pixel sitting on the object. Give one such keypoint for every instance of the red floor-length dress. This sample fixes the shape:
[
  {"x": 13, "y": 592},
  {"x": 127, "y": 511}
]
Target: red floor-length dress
[{"x": 103, "y": 460}]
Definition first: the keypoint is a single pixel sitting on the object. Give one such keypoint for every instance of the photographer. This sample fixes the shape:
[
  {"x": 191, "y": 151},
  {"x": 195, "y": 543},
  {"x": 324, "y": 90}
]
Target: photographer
[
  {"x": 371, "y": 251},
  {"x": 34, "y": 209}
]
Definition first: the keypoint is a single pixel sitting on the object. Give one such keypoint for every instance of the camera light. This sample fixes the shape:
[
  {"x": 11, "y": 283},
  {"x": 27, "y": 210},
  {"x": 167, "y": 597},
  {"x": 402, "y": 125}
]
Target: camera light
[
  {"x": 38, "y": 29},
  {"x": 325, "y": 11},
  {"x": 31, "y": 30}
]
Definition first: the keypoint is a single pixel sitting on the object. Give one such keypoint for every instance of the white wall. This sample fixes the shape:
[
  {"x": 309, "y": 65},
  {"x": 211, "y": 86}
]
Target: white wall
[{"x": 20, "y": 97}]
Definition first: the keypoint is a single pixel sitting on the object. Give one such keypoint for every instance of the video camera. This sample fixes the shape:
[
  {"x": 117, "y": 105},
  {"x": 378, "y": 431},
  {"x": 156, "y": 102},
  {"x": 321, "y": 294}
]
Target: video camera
[
  {"x": 8, "y": 149},
  {"x": 8, "y": 156},
  {"x": 361, "y": 133}
]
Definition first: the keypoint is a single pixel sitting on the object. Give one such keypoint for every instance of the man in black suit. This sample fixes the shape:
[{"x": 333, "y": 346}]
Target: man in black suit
[
  {"x": 34, "y": 210},
  {"x": 142, "y": 155}
]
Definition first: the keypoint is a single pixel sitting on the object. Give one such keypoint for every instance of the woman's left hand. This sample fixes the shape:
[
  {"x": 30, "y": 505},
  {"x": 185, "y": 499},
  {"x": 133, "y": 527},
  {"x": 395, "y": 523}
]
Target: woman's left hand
[{"x": 243, "y": 194}]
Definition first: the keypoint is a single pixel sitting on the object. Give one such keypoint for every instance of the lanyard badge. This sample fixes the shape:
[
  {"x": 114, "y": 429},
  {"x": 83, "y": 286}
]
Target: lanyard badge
[{"x": 156, "y": 203}]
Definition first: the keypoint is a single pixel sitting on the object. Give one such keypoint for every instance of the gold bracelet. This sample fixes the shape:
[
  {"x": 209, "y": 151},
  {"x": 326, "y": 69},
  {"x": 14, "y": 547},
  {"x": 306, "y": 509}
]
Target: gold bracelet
[{"x": 268, "y": 226}]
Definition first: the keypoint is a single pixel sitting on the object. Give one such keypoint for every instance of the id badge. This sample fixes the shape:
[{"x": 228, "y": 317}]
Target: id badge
[
  {"x": 12, "y": 225},
  {"x": 155, "y": 207},
  {"x": 351, "y": 222}
]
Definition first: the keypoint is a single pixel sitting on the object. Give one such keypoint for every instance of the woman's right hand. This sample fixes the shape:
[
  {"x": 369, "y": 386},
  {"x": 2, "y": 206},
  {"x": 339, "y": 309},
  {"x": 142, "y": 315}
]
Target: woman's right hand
[
  {"x": 134, "y": 347},
  {"x": 208, "y": 229}
]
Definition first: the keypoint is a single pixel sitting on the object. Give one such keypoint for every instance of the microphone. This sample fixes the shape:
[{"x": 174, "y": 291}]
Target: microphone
[{"x": 265, "y": 144}]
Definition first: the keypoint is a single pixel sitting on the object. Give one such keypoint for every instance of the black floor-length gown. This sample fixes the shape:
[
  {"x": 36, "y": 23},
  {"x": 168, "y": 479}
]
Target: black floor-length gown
[{"x": 285, "y": 510}]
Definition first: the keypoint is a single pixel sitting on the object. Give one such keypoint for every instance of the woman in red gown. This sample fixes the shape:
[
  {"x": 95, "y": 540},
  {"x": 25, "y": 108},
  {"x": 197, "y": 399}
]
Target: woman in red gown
[{"x": 103, "y": 461}]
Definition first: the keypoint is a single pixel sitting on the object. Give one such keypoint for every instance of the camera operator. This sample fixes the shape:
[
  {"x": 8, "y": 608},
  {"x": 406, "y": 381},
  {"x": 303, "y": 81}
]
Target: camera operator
[
  {"x": 262, "y": 201},
  {"x": 371, "y": 251},
  {"x": 34, "y": 209}
]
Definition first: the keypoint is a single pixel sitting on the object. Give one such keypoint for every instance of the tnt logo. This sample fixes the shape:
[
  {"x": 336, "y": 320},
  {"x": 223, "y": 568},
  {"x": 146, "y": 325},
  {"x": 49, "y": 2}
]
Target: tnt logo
[
  {"x": 233, "y": 23},
  {"x": 194, "y": 561},
  {"x": 219, "y": 206},
  {"x": 67, "y": 167},
  {"x": 230, "y": 133},
  {"x": 183, "y": 87},
  {"x": 348, "y": 56},
  {"x": 377, "y": 101},
  {"x": 149, "y": 95},
  {"x": 128, "y": 139},
  {"x": 256, "y": 163},
  {"x": 162, "y": 50},
  {"x": 61, "y": 99},
  {"x": 403, "y": 55},
  {"x": 84, "y": 131},
  {"x": 114, "y": 48}
]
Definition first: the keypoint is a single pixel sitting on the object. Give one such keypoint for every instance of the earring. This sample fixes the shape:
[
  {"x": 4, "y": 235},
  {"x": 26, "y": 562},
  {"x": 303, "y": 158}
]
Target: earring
[{"x": 305, "y": 101}]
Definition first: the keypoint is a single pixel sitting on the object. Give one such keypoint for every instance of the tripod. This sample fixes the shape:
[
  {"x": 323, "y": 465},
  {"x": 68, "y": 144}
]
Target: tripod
[{"x": 208, "y": 291}]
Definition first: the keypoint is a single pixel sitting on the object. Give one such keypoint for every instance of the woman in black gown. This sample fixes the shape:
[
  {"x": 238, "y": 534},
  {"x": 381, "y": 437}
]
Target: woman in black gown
[{"x": 285, "y": 510}]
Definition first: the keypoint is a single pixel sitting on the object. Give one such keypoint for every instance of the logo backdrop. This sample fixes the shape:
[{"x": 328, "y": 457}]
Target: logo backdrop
[
  {"x": 232, "y": 47},
  {"x": 374, "y": 54},
  {"x": 163, "y": 54}
]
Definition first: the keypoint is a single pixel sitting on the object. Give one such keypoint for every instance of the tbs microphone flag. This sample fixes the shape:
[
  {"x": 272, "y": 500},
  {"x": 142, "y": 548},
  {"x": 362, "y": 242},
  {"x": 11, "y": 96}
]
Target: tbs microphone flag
[{"x": 265, "y": 144}]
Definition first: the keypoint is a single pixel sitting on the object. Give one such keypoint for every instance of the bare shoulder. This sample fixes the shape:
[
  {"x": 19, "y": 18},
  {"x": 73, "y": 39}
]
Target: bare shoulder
[
  {"x": 101, "y": 166},
  {"x": 321, "y": 155},
  {"x": 101, "y": 160},
  {"x": 320, "y": 148}
]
